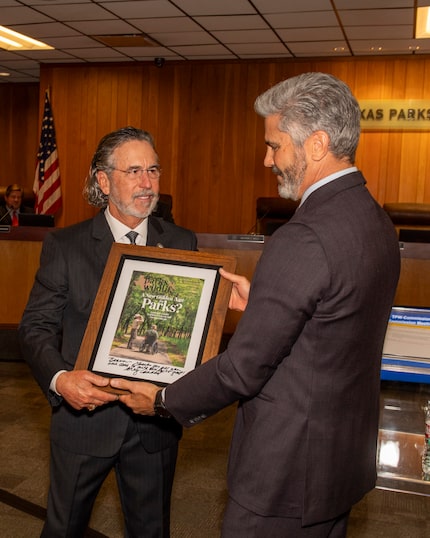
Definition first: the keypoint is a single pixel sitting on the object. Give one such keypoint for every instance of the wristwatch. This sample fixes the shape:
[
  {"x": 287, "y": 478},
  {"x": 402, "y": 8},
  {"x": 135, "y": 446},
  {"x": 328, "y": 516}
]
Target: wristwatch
[{"x": 159, "y": 407}]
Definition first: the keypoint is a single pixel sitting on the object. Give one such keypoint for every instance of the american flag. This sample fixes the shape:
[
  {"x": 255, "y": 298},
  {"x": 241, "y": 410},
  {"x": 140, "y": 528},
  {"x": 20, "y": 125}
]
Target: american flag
[{"x": 47, "y": 184}]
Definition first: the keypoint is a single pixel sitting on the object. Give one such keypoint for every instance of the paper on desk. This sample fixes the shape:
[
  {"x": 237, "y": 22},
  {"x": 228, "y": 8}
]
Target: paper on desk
[{"x": 408, "y": 333}]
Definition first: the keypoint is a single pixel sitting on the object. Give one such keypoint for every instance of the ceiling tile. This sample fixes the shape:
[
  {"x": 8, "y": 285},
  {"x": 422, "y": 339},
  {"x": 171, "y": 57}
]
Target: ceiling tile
[
  {"x": 276, "y": 49},
  {"x": 86, "y": 54},
  {"x": 282, "y": 6},
  {"x": 37, "y": 3},
  {"x": 150, "y": 53},
  {"x": 50, "y": 29},
  {"x": 73, "y": 42},
  {"x": 184, "y": 38},
  {"x": 217, "y": 56},
  {"x": 20, "y": 15},
  {"x": 310, "y": 34},
  {"x": 44, "y": 55},
  {"x": 375, "y": 17},
  {"x": 103, "y": 27},
  {"x": 380, "y": 32},
  {"x": 302, "y": 20},
  {"x": 372, "y": 4},
  {"x": 246, "y": 36},
  {"x": 75, "y": 12},
  {"x": 167, "y": 24},
  {"x": 232, "y": 22},
  {"x": 189, "y": 50},
  {"x": 148, "y": 8},
  {"x": 218, "y": 7}
]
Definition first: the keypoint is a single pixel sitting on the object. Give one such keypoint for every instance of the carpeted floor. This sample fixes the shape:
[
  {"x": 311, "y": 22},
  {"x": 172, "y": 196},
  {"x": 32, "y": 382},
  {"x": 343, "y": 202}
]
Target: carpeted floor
[{"x": 199, "y": 491}]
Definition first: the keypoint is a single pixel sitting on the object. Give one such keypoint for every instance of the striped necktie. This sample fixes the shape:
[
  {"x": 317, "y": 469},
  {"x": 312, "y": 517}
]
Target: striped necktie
[{"x": 132, "y": 236}]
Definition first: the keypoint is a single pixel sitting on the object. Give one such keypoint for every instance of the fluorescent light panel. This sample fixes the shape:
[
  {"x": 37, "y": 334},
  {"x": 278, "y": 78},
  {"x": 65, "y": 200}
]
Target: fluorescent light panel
[{"x": 11, "y": 40}]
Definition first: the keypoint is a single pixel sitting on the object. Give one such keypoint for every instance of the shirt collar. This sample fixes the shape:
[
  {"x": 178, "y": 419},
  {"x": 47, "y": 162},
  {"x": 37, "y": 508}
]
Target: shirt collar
[
  {"x": 119, "y": 230},
  {"x": 326, "y": 180}
]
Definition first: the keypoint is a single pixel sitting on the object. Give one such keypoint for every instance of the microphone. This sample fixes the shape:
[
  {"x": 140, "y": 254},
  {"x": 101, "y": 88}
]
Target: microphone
[
  {"x": 4, "y": 216},
  {"x": 4, "y": 227},
  {"x": 251, "y": 236},
  {"x": 252, "y": 231}
]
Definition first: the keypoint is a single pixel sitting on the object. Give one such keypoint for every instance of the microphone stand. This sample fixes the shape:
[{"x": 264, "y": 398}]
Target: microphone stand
[{"x": 5, "y": 227}]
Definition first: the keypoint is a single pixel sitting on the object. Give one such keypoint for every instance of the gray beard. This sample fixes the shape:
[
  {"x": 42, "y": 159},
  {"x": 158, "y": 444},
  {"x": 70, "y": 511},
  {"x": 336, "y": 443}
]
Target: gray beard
[
  {"x": 127, "y": 210},
  {"x": 288, "y": 191}
]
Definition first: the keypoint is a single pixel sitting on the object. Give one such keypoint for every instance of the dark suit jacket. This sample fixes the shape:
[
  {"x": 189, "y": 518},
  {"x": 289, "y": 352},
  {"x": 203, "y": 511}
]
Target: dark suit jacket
[
  {"x": 54, "y": 322},
  {"x": 304, "y": 361},
  {"x": 6, "y": 219}
]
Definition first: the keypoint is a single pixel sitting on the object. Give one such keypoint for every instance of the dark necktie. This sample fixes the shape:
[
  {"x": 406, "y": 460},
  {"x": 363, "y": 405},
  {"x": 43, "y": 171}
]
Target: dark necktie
[
  {"x": 132, "y": 236},
  {"x": 15, "y": 218}
]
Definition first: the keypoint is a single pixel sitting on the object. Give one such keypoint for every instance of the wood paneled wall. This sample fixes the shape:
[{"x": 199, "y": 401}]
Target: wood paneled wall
[
  {"x": 19, "y": 136},
  {"x": 210, "y": 140}
]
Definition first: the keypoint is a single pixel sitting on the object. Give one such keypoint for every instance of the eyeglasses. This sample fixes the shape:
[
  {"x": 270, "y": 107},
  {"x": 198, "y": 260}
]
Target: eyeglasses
[{"x": 136, "y": 172}]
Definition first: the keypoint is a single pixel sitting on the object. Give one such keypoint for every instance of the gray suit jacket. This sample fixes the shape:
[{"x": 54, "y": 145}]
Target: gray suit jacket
[
  {"x": 54, "y": 322},
  {"x": 304, "y": 361}
]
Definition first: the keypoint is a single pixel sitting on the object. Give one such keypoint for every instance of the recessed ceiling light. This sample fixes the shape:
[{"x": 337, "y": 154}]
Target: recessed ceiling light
[
  {"x": 4, "y": 74},
  {"x": 11, "y": 40}
]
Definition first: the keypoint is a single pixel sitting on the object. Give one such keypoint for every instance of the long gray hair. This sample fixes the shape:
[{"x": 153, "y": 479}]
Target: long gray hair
[
  {"x": 315, "y": 102},
  {"x": 102, "y": 160}
]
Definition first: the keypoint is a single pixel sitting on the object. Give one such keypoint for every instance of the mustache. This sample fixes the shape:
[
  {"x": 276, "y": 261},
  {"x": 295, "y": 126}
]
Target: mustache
[
  {"x": 277, "y": 171},
  {"x": 145, "y": 192}
]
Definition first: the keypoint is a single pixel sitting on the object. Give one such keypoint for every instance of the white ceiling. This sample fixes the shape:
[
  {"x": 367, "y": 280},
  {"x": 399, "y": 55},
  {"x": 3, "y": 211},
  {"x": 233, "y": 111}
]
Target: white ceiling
[{"x": 207, "y": 29}]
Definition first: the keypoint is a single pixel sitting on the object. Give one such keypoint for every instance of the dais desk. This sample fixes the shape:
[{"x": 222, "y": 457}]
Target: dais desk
[
  {"x": 20, "y": 249},
  {"x": 20, "y": 252}
]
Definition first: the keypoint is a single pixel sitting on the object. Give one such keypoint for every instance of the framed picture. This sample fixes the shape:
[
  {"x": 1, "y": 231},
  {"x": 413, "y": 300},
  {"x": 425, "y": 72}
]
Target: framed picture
[{"x": 157, "y": 315}]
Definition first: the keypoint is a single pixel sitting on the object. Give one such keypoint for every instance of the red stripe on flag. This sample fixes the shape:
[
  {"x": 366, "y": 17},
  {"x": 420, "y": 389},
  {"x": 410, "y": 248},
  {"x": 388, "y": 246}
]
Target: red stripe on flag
[{"x": 47, "y": 185}]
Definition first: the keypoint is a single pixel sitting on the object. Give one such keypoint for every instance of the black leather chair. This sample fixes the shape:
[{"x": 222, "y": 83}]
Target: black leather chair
[
  {"x": 164, "y": 207},
  {"x": 408, "y": 214},
  {"x": 273, "y": 212},
  {"x": 411, "y": 220}
]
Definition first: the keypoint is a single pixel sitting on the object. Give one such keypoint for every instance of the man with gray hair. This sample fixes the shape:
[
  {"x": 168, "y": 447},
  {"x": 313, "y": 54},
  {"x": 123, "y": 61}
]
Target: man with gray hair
[
  {"x": 304, "y": 362},
  {"x": 91, "y": 432}
]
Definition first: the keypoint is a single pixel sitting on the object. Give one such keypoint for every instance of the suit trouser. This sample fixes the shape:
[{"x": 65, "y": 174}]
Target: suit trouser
[
  {"x": 144, "y": 483},
  {"x": 241, "y": 523}
]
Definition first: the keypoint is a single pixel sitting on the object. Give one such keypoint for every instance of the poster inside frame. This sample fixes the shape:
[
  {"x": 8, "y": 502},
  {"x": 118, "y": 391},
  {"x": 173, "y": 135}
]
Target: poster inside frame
[{"x": 157, "y": 315}]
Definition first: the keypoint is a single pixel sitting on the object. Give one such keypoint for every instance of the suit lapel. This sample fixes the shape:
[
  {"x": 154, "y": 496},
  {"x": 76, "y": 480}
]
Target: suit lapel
[
  {"x": 155, "y": 233},
  {"x": 103, "y": 237}
]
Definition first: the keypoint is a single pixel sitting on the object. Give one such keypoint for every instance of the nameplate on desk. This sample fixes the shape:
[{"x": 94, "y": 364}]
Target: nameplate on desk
[
  {"x": 247, "y": 238},
  {"x": 4, "y": 228}
]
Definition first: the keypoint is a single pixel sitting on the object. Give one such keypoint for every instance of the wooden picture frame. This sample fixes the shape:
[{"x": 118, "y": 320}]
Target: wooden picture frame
[{"x": 179, "y": 292}]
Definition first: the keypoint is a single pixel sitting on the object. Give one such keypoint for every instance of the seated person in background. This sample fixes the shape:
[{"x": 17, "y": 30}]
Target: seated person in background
[{"x": 9, "y": 212}]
